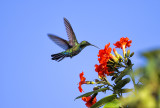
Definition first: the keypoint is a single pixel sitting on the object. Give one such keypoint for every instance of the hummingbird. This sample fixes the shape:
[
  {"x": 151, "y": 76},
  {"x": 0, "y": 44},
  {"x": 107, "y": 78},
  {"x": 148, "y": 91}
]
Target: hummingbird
[{"x": 71, "y": 47}]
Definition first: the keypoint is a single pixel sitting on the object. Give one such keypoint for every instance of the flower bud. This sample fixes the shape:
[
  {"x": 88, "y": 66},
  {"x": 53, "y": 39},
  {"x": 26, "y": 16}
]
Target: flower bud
[
  {"x": 90, "y": 82},
  {"x": 132, "y": 54},
  {"x": 124, "y": 51},
  {"x": 126, "y": 59},
  {"x": 95, "y": 88},
  {"x": 120, "y": 58},
  {"x": 116, "y": 53},
  {"x": 96, "y": 80},
  {"x": 114, "y": 58},
  {"x": 128, "y": 53}
]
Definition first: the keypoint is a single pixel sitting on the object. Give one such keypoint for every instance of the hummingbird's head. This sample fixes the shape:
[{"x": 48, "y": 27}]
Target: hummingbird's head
[{"x": 83, "y": 44}]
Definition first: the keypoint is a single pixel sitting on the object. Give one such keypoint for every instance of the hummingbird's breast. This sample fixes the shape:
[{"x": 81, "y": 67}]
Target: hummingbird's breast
[{"x": 73, "y": 51}]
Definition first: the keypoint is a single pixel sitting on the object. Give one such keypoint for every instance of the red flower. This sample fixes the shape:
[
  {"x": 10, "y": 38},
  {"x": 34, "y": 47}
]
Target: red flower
[
  {"x": 103, "y": 70},
  {"x": 123, "y": 43},
  {"x": 89, "y": 101},
  {"x": 82, "y": 81},
  {"x": 104, "y": 55}
]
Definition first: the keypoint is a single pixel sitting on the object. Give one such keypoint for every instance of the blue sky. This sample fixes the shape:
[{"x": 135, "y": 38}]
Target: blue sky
[{"x": 28, "y": 76}]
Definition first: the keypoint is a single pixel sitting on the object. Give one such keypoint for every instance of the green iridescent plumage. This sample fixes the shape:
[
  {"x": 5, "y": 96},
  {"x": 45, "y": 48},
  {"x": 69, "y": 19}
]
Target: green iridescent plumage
[{"x": 71, "y": 47}]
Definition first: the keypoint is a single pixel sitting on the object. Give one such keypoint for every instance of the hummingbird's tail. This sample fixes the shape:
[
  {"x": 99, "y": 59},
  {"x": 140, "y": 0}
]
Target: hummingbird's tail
[{"x": 58, "y": 57}]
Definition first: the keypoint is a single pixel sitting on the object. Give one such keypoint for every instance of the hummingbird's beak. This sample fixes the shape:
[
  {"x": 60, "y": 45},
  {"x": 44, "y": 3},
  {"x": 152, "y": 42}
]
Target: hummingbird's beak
[{"x": 95, "y": 46}]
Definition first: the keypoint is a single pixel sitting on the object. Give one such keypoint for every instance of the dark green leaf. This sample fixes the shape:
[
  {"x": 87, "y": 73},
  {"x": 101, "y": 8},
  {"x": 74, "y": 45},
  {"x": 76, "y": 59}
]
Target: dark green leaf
[
  {"x": 132, "y": 76},
  {"x": 92, "y": 92},
  {"x": 123, "y": 73},
  {"x": 113, "y": 104},
  {"x": 122, "y": 91},
  {"x": 104, "y": 101},
  {"x": 129, "y": 62},
  {"x": 121, "y": 83},
  {"x": 139, "y": 86},
  {"x": 114, "y": 76},
  {"x": 126, "y": 90}
]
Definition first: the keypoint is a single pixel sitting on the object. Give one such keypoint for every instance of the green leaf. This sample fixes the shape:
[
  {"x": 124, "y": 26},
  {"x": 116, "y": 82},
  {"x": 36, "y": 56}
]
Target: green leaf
[
  {"x": 139, "y": 71},
  {"x": 121, "y": 83},
  {"x": 122, "y": 91},
  {"x": 126, "y": 90},
  {"x": 153, "y": 65},
  {"x": 123, "y": 73},
  {"x": 92, "y": 92},
  {"x": 113, "y": 104},
  {"x": 104, "y": 101},
  {"x": 139, "y": 86},
  {"x": 142, "y": 80}
]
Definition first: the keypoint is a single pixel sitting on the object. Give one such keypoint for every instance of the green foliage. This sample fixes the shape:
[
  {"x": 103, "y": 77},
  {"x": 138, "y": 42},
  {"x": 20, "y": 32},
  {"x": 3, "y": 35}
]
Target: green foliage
[
  {"x": 147, "y": 90},
  {"x": 104, "y": 101},
  {"x": 126, "y": 90},
  {"x": 121, "y": 83},
  {"x": 115, "y": 66},
  {"x": 123, "y": 90},
  {"x": 113, "y": 104},
  {"x": 126, "y": 71},
  {"x": 92, "y": 92}
]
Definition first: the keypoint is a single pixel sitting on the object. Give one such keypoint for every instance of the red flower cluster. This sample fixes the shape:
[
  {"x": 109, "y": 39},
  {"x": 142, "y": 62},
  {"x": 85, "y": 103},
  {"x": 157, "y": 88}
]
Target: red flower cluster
[
  {"x": 89, "y": 101},
  {"x": 123, "y": 43},
  {"x": 105, "y": 58},
  {"x": 82, "y": 81},
  {"x": 104, "y": 55}
]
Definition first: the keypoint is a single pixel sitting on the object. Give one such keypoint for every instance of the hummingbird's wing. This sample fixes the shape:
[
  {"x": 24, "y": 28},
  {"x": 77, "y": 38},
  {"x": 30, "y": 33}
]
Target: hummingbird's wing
[
  {"x": 72, "y": 38},
  {"x": 59, "y": 41}
]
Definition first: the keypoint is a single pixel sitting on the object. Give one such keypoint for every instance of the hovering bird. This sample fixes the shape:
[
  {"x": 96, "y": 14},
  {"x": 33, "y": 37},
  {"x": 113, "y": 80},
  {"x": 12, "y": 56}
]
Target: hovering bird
[{"x": 71, "y": 47}]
